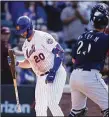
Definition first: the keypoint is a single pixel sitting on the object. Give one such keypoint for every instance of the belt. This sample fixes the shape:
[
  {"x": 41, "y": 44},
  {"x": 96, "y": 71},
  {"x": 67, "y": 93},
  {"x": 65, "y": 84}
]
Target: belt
[
  {"x": 44, "y": 73},
  {"x": 84, "y": 69}
]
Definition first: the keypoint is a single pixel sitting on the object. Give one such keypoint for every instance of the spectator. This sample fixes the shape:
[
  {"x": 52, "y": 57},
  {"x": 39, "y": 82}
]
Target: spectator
[
  {"x": 43, "y": 28},
  {"x": 14, "y": 39},
  {"x": 6, "y": 11},
  {"x": 25, "y": 76},
  {"x": 16, "y": 9},
  {"x": 55, "y": 36},
  {"x": 106, "y": 66},
  {"x": 6, "y": 77},
  {"x": 87, "y": 7},
  {"x": 3, "y": 7},
  {"x": 61, "y": 4},
  {"x": 40, "y": 11},
  {"x": 6, "y": 19},
  {"x": 18, "y": 48},
  {"x": 105, "y": 71},
  {"x": 73, "y": 20},
  {"x": 54, "y": 22},
  {"x": 30, "y": 11},
  {"x": 107, "y": 30},
  {"x": 40, "y": 23}
]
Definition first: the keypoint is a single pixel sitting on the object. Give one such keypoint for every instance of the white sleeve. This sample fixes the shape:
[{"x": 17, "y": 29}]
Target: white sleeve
[{"x": 49, "y": 42}]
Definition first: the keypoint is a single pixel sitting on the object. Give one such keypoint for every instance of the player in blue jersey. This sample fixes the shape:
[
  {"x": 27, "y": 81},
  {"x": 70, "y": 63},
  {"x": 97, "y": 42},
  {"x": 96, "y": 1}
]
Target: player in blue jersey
[{"x": 88, "y": 58}]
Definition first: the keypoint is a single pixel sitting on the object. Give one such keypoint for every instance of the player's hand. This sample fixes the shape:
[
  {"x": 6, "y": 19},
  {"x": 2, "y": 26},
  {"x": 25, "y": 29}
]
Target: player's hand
[
  {"x": 50, "y": 77},
  {"x": 9, "y": 60}
]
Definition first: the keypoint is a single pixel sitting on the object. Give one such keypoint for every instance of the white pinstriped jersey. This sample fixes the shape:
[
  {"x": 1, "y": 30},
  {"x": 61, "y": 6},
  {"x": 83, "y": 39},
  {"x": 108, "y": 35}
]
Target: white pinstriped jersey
[{"x": 38, "y": 51}]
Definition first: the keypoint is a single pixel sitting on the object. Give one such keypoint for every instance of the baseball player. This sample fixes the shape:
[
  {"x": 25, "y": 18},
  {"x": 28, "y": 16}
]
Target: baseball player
[
  {"x": 44, "y": 55},
  {"x": 88, "y": 58}
]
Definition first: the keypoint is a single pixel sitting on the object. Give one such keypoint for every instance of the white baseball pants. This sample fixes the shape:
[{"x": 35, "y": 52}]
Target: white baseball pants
[
  {"x": 49, "y": 95},
  {"x": 89, "y": 84}
]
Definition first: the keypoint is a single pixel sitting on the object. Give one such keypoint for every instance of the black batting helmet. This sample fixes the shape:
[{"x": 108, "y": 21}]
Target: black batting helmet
[{"x": 100, "y": 15}]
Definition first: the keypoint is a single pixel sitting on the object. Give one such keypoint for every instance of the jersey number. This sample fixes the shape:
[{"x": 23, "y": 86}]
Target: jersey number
[
  {"x": 39, "y": 57},
  {"x": 81, "y": 45}
]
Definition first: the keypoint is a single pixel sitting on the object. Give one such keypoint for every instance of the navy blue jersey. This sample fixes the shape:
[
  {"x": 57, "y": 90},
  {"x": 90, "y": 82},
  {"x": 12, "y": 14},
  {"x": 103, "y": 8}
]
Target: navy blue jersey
[{"x": 90, "y": 50}]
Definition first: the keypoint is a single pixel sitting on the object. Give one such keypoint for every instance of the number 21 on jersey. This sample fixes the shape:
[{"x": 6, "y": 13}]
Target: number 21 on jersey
[{"x": 81, "y": 45}]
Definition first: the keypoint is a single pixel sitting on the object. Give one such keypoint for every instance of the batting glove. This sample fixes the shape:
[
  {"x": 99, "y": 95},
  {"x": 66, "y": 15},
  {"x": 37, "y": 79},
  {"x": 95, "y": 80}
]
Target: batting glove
[
  {"x": 9, "y": 61},
  {"x": 51, "y": 76}
]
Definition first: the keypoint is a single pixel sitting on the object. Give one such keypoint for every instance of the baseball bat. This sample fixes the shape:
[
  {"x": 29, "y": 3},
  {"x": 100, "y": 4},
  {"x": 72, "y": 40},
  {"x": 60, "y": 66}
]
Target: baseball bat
[{"x": 13, "y": 72}]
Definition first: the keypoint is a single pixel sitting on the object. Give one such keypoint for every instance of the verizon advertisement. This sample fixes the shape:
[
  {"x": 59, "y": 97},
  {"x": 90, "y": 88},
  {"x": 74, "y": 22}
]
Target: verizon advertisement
[{"x": 26, "y": 98}]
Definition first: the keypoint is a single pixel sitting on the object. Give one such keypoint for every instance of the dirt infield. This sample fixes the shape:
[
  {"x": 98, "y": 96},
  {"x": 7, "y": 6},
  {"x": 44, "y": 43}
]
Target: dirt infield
[{"x": 93, "y": 109}]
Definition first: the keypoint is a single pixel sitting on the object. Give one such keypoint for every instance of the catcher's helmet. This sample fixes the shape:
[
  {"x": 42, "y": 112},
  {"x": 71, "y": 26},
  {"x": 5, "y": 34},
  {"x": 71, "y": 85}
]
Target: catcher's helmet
[
  {"x": 24, "y": 24},
  {"x": 100, "y": 15}
]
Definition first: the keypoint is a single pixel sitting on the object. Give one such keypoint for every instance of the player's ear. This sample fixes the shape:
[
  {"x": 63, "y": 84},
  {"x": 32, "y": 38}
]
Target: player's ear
[{"x": 73, "y": 60}]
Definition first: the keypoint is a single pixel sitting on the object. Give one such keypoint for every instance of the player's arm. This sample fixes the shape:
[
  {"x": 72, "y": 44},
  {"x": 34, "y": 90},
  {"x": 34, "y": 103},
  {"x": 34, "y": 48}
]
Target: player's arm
[
  {"x": 59, "y": 56},
  {"x": 65, "y": 18},
  {"x": 52, "y": 46},
  {"x": 82, "y": 18},
  {"x": 69, "y": 20},
  {"x": 18, "y": 52},
  {"x": 23, "y": 64}
]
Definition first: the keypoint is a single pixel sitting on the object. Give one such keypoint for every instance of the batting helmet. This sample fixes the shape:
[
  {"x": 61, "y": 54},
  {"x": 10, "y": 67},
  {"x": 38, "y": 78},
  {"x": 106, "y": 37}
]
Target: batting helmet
[
  {"x": 100, "y": 15},
  {"x": 24, "y": 24}
]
